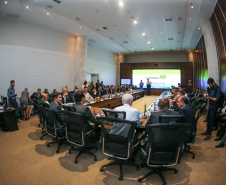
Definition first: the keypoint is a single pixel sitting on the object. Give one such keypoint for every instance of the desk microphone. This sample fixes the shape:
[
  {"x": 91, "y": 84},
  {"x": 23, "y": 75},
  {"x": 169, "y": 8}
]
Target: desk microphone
[{"x": 144, "y": 117}]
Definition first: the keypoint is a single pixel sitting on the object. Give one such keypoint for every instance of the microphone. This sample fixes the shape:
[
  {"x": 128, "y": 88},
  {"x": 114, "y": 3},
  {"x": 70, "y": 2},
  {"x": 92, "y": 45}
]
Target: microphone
[{"x": 144, "y": 111}]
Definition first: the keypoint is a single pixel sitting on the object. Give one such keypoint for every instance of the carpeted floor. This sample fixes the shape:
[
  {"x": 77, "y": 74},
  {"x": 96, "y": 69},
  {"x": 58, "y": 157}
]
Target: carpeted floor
[{"x": 25, "y": 160}]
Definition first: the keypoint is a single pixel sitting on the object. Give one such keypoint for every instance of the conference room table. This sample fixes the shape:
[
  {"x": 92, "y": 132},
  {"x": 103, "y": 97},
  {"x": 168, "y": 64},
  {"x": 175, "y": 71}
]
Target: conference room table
[{"x": 107, "y": 104}]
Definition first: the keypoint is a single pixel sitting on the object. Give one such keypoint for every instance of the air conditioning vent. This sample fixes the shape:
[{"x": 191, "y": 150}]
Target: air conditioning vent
[
  {"x": 170, "y": 38},
  {"x": 168, "y": 18},
  {"x": 49, "y": 6},
  {"x": 125, "y": 42},
  {"x": 92, "y": 41},
  {"x": 179, "y": 18},
  {"x": 12, "y": 16}
]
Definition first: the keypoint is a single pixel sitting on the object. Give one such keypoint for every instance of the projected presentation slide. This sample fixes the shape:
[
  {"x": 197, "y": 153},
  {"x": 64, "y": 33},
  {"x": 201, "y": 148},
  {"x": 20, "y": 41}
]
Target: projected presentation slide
[{"x": 159, "y": 78}]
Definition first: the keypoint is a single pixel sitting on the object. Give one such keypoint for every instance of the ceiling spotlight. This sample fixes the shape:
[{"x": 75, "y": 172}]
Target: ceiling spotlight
[
  {"x": 143, "y": 34},
  {"x": 152, "y": 48},
  {"x": 192, "y": 6},
  {"x": 121, "y": 3},
  {"x": 27, "y": 7},
  {"x": 6, "y": 2},
  {"x": 199, "y": 28},
  {"x": 149, "y": 42},
  {"x": 92, "y": 33},
  {"x": 102, "y": 38},
  {"x": 190, "y": 19},
  {"x": 47, "y": 13},
  {"x": 135, "y": 22},
  {"x": 80, "y": 26}
]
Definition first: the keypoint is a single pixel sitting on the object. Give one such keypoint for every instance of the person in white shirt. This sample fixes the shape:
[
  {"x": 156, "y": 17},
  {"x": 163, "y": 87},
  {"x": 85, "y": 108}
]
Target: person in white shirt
[
  {"x": 132, "y": 114},
  {"x": 87, "y": 95}
]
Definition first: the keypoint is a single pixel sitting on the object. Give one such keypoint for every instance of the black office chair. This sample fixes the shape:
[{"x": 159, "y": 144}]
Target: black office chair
[
  {"x": 191, "y": 136},
  {"x": 42, "y": 118},
  {"x": 69, "y": 108},
  {"x": 163, "y": 147},
  {"x": 76, "y": 134},
  {"x": 51, "y": 129},
  {"x": 118, "y": 141},
  {"x": 171, "y": 119},
  {"x": 114, "y": 114}
]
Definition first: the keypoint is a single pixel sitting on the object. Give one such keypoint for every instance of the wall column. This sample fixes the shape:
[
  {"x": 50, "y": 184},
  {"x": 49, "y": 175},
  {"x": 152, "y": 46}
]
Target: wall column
[
  {"x": 80, "y": 60},
  {"x": 211, "y": 51},
  {"x": 119, "y": 58}
]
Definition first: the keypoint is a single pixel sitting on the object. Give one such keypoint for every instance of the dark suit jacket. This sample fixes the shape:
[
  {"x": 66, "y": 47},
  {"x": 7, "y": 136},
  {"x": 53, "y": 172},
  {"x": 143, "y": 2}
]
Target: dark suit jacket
[
  {"x": 82, "y": 109},
  {"x": 72, "y": 98},
  {"x": 107, "y": 91},
  {"x": 35, "y": 96},
  {"x": 54, "y": 106},
  {"x": 100, "y": 93},
  {"x": 154, "y": 118},
  {"x": 119, "y": 90},
  {"x": 67, "y": 99},
  {"x": 189, "y": 117},
  {"x": 112, "y": 91},
  {"x": 97, "y": 85}
]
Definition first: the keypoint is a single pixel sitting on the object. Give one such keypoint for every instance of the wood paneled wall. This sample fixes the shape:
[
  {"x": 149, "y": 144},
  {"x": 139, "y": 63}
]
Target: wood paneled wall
[
  {"x": 186, "y": 71},
  {"x": 200, "y": 65},
  {"x": 218, "y": 22}
]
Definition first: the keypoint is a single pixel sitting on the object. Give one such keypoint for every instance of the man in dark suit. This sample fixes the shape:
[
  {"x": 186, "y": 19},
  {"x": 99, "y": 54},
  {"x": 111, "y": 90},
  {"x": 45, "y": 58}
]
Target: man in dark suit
[
  {"x": 82, "y": 109},
  {"x": 93, "y": 93},
  {"x": 65, "y": 97},
  {"x": 188, "y": 113},
  {"x": 100, "y": 92},
  {"x": 36, "y": 95},
  {"x": 73, "y": 95},
  {"x": 98, "y": 84},
  {"x": 163, "y": 106},
  {"x": 56, "y": 107},
  {"x": 112, "y": 90},
  {"x": 107, "y": 90}
]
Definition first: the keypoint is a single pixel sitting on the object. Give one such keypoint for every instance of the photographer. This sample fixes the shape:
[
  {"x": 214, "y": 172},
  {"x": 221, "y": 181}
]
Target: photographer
[{"x": 214, "y": 94}]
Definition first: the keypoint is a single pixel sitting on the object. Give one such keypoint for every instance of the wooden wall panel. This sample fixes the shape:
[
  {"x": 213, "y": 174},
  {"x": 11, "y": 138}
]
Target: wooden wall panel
[
  {"x": 186, "y": 71},
  {"x": 200, "y": 65},
  {"x": 218, "y": 22}
]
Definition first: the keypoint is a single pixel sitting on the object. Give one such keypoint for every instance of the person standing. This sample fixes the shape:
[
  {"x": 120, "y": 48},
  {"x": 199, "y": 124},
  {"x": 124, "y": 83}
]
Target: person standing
[
  {"x": 24, "y": 103},
  {"x": 148, "y": 87},
  {"x": 214, "y": 98},
  {"x": 12, "y": 99},
  {"x": 141, "y": 85}
]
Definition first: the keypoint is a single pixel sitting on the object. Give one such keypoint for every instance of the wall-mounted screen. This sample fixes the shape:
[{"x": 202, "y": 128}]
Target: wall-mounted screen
[
  {"x": 160, "y": 78},
  {"x": 125, "y": 81}
]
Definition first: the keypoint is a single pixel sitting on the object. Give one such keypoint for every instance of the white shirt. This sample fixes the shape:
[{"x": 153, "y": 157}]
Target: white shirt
[
  {"x": 132, "y": 114},
  {"x": 224, "y": 109},
  {"x": 88, "y": 96}
]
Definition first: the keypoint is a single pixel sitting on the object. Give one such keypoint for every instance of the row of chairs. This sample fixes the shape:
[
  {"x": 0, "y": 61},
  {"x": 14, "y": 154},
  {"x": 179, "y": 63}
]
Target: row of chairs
[{"x": 165, "y": 141}]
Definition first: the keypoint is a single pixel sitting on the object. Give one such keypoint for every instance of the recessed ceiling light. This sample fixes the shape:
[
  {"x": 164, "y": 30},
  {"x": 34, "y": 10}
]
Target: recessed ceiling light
[
  {"x": 143, "y": 34},
  {"x": 190, "y": 19},
  {"x": 27, "y": 7},
  {"x": 6, "y": 2},
  {"x": 92, "y": 33},
  {"x": 121, "y": 3},
  {"x": 80, "y": 26},
  {"x": 102, "y": 38},
  {"x": 135, "y": 22},
  {"x": 199, "y": 28},
  {"x": 47, "y": 13},
  {"x": 149, "y": 42},
  {"x": 192, "y": 6}
]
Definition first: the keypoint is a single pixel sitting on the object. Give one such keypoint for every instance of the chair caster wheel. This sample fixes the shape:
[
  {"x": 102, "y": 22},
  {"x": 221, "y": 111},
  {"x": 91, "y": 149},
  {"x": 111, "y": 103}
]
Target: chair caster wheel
[
  {"x": 102, "y": 169},
  {"x": 193, "y": 157},
  {"x": 69, "y": 151},
  {"x": 120, "y": 178},
  {"x": 95, "y": 159},
  {"x": 139, "y": 180},
  {"x": 175, "y": 171},
  {"x": 47, "y": 145},
  {"x": 109, "y": 158},
  {"x": 57, "y": 151},
  {"x": 138, "y": 168},
  {"x": 76, "y": 161}
]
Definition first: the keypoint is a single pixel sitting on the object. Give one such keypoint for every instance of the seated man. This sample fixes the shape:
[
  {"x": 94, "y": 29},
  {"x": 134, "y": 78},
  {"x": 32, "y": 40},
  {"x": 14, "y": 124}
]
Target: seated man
[
  {"x": 163, "y": 106},
  {"x": 64, "y": 95},
  {"x": 132, "y": 114},
  {"x": 87, "y": 95},
  {"x": 221, "y": 119},
  {"x": 80, "y": 108},
  {"x": 56, "y": 107},
  {"x": 188, "y": 113},
  {"x": 112, "y": 90},
  {"x": 100, "y": 92},
  {"x": 44, "y": 100},
  {"x": 94, "y": 93},
  {"x": 221, "y": 144},
  {"x": 36, "y": 95},
  {"x": 107, "y": 91},
  {"x": 73, "y": 95}
]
